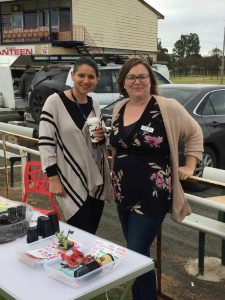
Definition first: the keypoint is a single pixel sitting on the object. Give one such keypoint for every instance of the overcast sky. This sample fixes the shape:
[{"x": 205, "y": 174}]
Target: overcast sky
[{"x": 204, "y": 17}]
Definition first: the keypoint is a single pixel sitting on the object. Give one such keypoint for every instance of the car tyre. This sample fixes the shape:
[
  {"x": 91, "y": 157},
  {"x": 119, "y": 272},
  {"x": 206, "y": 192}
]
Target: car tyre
[
  {"x": 37, "y": 100},
  {"x": 208, "y": 160}
]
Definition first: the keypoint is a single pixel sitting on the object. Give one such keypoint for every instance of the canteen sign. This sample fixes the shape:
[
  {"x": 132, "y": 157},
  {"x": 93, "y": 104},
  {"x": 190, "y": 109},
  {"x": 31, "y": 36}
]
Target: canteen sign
[{"x": 17, "y": 50}]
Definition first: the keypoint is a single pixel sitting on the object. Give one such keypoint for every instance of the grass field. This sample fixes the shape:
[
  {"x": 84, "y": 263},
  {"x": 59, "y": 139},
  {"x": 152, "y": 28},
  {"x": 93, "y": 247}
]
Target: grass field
[{"x": 196, "y": 79}]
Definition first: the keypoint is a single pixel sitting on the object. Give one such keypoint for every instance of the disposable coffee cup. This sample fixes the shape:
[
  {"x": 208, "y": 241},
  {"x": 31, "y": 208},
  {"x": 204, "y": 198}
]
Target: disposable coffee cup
[{"x": 93, "y": 124}]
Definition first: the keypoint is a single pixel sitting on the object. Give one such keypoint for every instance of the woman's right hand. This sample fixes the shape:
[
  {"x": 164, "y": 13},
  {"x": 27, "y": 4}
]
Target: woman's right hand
[
  {"x": 99, "y": 134},
  {"x": 56, "y": 187}
]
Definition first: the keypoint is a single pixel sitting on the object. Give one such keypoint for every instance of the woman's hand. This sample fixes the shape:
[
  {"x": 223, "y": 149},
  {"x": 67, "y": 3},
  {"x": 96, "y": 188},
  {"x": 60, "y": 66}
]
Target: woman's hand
[
  {"x": 185, "y": 171},
  {"x": 56, "y": 187},
  {"x": 189, "y": 168},
  {"x": 99, "y": 134}
]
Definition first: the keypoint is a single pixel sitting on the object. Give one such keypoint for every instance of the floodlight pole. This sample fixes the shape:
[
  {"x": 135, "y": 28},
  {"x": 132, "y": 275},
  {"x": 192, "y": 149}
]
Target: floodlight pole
[{"x": 222, "y": 67}]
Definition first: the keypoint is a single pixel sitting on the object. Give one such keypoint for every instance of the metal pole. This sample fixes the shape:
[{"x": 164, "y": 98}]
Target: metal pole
[
  {"x": 50, "y": 20},
  {"x": 158, "y": 261},
  {"x": 1, "y": 25},
  {"x": 221, "y": 218},
  {"x": 222, "y": 66},
  {"x": 23, "y": 155},
  {"x": 201, "y": 253},
  {"x": 5, "y": 163}
]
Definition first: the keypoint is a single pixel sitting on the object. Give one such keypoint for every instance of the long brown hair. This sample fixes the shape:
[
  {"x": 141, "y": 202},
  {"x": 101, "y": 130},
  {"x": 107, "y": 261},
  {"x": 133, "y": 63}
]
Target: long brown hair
[{"x": 127, "y": 66}]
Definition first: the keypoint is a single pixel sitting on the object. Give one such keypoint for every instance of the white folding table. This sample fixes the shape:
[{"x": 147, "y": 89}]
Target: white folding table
[{"x": 21, "y": 281}]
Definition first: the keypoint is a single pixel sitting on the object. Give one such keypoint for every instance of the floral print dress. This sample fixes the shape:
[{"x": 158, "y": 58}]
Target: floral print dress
[{"x": 142, "y": 170}]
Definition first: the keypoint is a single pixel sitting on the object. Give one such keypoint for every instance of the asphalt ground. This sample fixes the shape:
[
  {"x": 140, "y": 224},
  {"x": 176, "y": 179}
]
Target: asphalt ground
[{"x": 179, "y": 245}]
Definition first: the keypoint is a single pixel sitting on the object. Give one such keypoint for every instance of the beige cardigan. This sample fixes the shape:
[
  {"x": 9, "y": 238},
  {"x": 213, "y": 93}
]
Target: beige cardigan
[
  {"x": 83, "y": 169},
  {"x": 178, "y": 124}
]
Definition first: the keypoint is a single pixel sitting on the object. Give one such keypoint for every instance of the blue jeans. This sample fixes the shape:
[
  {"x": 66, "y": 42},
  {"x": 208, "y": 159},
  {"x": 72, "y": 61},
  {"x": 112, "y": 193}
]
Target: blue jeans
[{"x": 140, "y": 231}]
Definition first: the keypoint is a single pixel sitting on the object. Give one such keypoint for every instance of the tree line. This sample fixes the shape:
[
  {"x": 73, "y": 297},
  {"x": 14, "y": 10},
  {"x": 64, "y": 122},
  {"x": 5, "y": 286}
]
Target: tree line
[{"x": 186, "y": 59}]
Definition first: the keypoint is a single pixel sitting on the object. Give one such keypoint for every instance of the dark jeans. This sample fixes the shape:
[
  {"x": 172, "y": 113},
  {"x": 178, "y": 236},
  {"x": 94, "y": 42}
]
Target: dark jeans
[
  {"x": 88, "y": 216},
  {"x": 140, "y": 231}
]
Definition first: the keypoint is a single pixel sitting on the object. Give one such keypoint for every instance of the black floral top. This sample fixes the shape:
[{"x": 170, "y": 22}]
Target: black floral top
[{"x": 142, "y": 170}]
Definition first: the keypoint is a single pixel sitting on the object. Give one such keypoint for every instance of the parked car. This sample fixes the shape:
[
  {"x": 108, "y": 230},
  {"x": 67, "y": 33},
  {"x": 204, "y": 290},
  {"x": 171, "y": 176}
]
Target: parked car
[
  {"x": 206, "y": 103},
  {"x": 57, "y": 77}
]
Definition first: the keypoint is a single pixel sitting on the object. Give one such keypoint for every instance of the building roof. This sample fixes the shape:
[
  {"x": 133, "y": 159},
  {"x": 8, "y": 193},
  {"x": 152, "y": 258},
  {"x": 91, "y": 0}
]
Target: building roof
[{"x": 160, "y": 16}]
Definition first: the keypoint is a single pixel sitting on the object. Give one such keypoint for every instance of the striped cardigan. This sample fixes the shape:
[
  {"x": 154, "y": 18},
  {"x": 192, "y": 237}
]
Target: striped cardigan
[{"x": 83, "y": 169}]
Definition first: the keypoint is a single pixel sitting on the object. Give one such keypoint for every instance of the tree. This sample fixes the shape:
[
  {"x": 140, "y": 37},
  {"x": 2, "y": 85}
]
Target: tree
[
  {"x": 191, "y": 63},
  {"x": 187, "y": 45},
  {"x": 216, "y": 52},
  {"x": 162, "y": 54},
  {"x": 214, "y": 61},
  {"x": 186, "y": 53}
]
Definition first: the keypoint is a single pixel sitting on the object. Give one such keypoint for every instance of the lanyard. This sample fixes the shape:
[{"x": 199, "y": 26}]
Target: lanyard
[
  {"x": 78, "y": 105},
  {"x": 82, "y": 111}
]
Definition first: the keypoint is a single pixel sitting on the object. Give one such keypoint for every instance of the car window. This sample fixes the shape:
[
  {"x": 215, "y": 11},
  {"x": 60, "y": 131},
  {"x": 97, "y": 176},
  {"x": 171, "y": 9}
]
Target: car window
[
  {"x": 115, "y": 74},
  {"x": 217, "y": 98},
  {"x": 215, "y": 103},
  {"x": 105, "y": 83},
  {"x": 206, "y": 108}
]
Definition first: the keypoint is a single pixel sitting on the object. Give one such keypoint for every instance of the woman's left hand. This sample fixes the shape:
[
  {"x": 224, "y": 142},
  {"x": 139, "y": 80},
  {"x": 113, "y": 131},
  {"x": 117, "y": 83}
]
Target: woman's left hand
[
  {"x": 185, "y": 171},
  {"x": 189, "y": 167},
  {"x": 99, "y": 134}
]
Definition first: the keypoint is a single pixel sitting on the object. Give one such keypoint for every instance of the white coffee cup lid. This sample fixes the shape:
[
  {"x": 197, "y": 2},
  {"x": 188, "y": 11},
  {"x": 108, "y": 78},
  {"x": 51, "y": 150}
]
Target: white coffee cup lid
[{"x": 93, "y": 120}]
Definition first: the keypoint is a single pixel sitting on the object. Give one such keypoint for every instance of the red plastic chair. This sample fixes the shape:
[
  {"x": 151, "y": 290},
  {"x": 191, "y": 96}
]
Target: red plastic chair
[{"x": 36, "y": 181}]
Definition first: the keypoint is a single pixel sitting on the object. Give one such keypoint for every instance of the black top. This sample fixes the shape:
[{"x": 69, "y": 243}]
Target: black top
[
  {"x": 128, "y": 129},
  {"x": 142, "y": 170},
  {"x": 78, "y": 112}
]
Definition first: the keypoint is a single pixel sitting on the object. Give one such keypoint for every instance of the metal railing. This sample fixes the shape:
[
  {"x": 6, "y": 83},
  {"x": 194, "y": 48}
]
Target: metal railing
[
  {"x": 77, "y": 33},
  {"x": 23, "y": 153}
]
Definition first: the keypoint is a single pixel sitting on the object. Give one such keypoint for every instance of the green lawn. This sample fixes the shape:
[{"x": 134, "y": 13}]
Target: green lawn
[{"x": 196, "y": 79}]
